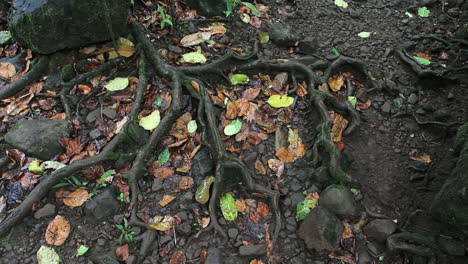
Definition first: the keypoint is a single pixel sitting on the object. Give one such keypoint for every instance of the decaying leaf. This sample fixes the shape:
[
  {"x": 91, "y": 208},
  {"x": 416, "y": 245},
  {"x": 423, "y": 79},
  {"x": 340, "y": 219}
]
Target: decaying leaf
[
  {"x": 202, "y": 194},
  {"x": 228, "y": 207},
  {"x": 424, "y": 158},
  {"x": 295, "y": 149},
  {"x": 262, "y": 209},
  {"x": 57, "y": 231},
  {"x": 166, "y": 199},
  {"x": 76, "y": 198},
  {"x": 185, "y": 183},
  {"x": 161, "y": 222},
  {"x": 121, "y": 252},
  {"x": 195, "y": 39},
  {"x": 339, "y": 125},
  {"x": 336, "y": 82},
  {"x": 303, "y": 208},
  {"x": 276, "y": 166},
  {"x": 178, "y": 258},
  {"x": 204, "y": 221},
  {"x": 259, "y": 167},
  {"x": 7, "y": 70},
  {"x": 348, "y": 232}
]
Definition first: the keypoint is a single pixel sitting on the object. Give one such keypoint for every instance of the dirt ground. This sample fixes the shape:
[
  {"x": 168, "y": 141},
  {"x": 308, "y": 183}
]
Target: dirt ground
[{"x": 377, "y": 155}]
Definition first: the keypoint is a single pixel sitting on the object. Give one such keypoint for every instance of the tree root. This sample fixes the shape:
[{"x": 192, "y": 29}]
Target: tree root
[{"x": 411, "y": 242}]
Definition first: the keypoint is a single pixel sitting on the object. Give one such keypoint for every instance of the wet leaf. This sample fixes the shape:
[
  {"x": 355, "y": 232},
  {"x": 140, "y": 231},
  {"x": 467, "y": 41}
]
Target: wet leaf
[
  {"x": 178, "y": 258},
  {"x": 202, "y": 195},
  {"x": 34, "y": 166},
  {"x": 81, "y": 250},
  {"x": 192, "y": 126},
  {"x": 303, "y": 208},
  {"x": 47, "y": 255},
  {"x": 341, "y": 3},
  {"x": 263, "y": 37},
  {"x": 166, "y": 199},
  {"x": 422, "y": 61},
  {"x": 161, "y": 223},
  {"x": 424, "y": 158},
  {"x": 278, "y": 101},
  {"x": 423, "y": 12},
  {"x": 57, "y": 231},
  {"x": 7, "y": 70},
  {"x": 76, "y": 198},
  {"x": 339, "y": 125},
  {"x": 121, "y": 252},
  {"x": 193, "y": 57},
  {"x": 336, "y": 82},
  {"x": 228, "y": 207},
  {"x": 151, "y": 121},
  {"x": 364, "y": 34},
  {"x": 163, "y": 172},
  {"x": 259, "y": 167},
  {"x": 239, "y": 79},
  {"x": 233, "y": 128},
  {"x": 262, "y": 209},
  {"x": 276, "y": 166},
  {"x": 185, "y": 183},
  {"x": 164, "y": 156},
  {"x": 117, "y": 84}
]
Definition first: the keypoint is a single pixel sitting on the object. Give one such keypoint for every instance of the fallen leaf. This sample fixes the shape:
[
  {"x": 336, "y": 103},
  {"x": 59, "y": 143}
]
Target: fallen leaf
[
  {"x": 262, "y": 209},
  {"x": 193, "y": 57},
  {"x": 76, "y": 198},
  {"x": 424, "y": 158},
  {"x": 164, "y": 156},
  {"x": 423, "y": 55},
  {"x": 121, "y": 252},
  {"x": 57, "y": 231},
  {"x": 125, "y": 47},
  {"x": 161, "y": 223},
  {"x": 276, "y": 166},
  {"x": 263, "y": 37},
  {"x": 195, "y": 39},
  {"x": 341, "y": 3},
  {"x": 241, "y": 206},
  {"x": 423, "y": 12},
  {"x": 364, "y": 34},
  {"x": 228, "y": 207},
  {"x": 303, "y": 208},
  {"x": 301, "y": 89},
  {"x": 5, "y": 36},
  {"x": 196, "y": 86},
  {"x": 82, "y": 250},
  {"x": 233, "y": 128},
  {"x": 255, "y": 261},
  {"x": 185, "y": 183},
  {"x": 278, "y": 101},
  {"x": 166, "y": 199},
  {"x": 336, "y": 82},
  {"x": 339, "y": 125},
  {"x": 348, "y": 232},
  {"x": 192, "y": 126},
  {"x": 239, "y": 79},
  {"x": 204, "y": 221},
  {"x": 47, "y": 255},
  {"x": 294, "y": 151},
  {"x": 85, "y": 89},
  {"x": 422, "y": 61},
  {"x": 250, "y": 94},
  {"x": 178, "y": 258},
  {"x": 7, "y": 70},
  {"x": 117, "y": 84},
  {"x": 216, "y": 29},
  {"x": 202, "y": 194},
  {"x": 151, "y": 121},
  {"x": 259, "y": 167}
]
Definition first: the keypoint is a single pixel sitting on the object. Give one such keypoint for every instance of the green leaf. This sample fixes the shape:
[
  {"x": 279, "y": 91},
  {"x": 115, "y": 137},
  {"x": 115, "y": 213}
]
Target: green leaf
[
  {"x": 5, "y": 36},
  {"x": 252, "y": 7},
  {"x": 341, "y": 3},
  {"x": 63, "y": 184},
  {"x": 335, "y": 52},
  {"x": 352, "y": 100},
  {"x": 75, "y": 180},
  {"x": 192, "y": 126},
  {"x": 164, "y": 156},
  {"x": 193, "y": 57},
  {"x": 233, "y": 128},
  {"x": 239, "y": 79},
  {"x": 34, "y": 166},
  {"x": 228, "y": 207},
  {"x": 81, "y": 250},
  {"x": 202, "y": 194},
  {"x": 151, "y": 121},
  {"x": 52, "y": 164},
  {"x": 278, "y": 101},
  {"x": 354, "y": 191},
  {"x": 158, "y": 101},
  {"x": 423, "y": 12},
  {"x": 117, "y": 84},
  {"x": 303, "y": 208},
  {"x": 263, "y": 37},
  {"x": 409, "y": 14},
  {"x": 107, "y": 174},
  {"x": 364, "y": 34},
  {"x": 422, "y": 61},
  {"x": 47, "y": 255}
]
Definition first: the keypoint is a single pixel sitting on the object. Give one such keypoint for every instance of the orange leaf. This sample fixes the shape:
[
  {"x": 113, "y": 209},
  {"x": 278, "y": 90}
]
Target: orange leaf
[
  {"x": 166, "y": 199},
  {"x": 85, "y": 89},
  {"x": 255, "y": 261},
  {"x": 340, "y": 145},
  {"x": 335, "y": 82},
  {"x": 57, "y": 231},
  {"x": 348, "y": 232},
  {"x": 185, "y": 182},
  {"x": 301, "y": 89},
  {"x": 7, "y": 70},
  {"x": 423, "y": 55},
  {"x": 59, "y": 116},
  {"x": 250, "y": 94},
  {"x": 262, "y": 209},
  {"x": 163, "y": 172},
  {"x": 424, "y": 158},
  {"x": 339, "y": 125},
  {"x": 121, "y": 252},
  {"x": 260, "y": 168},
  {"x": 76, "y": 198},
  {"x": 241, "y": 205},
  {"x": 196, "y": 86},
  {"x": 178, "y": 258}
]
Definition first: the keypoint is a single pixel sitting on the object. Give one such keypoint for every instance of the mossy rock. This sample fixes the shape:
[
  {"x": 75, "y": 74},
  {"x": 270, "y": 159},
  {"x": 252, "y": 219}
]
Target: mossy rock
[
  {"x": 208, "y": 7},
  {"x": 46, "y": 26}
]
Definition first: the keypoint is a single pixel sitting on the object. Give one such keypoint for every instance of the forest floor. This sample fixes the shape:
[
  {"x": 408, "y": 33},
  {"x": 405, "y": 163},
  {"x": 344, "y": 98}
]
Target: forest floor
[{"x": 396, "y": 161}]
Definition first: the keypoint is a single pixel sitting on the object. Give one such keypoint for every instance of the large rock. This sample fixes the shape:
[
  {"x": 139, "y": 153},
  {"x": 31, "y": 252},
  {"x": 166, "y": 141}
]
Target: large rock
[
  {"x": 103, "y": 205},
  {"x": 282, "y": 34},
  {"x": 208, "y": 7},
  {"x": 339, "y": 200},
  {"x": 46, "y": 26},
  {"x": 39, "y": 138},
  {"x": 380, "y": 229},
  {"x": 202, "y": 163},
  {"x": 321, "y": 230},
  {"x": 451, "y": 203}
]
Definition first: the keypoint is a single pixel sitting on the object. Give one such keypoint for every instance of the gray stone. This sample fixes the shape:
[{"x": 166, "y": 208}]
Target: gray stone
[
  {"x": 451, "y": 246},
  {"x": 308, "y": 46},
  {"x": 252, "y": 250},
  {"x": 202, "y": 163},
  {"x": 386, "y": 107},
  {"x": 380, "y": 229},
  {"x": 157, "y": 184},
  {"x": 95, "y": 133},
  {"x": 413, "y": 98},
  {"x": 47, "y": 26},
  {"x": 233, "y": 232},
  {"x": 213, "y": 256},
  {"x": 39, "y": 138},
  {"x": 103, "y": 205},
  {"x": 101, "y": 242},
  {"x": 339, "y": 200},
  {"x": 282, "y": 34},
  {"x": 46, "y": 210},
  {"x": 184, "y": 229},
  {"x": 100, "y": 112},
  {"x": 208, "y": 7},
  {"x": 132, "y": 259},
  {"x": 164, "y": 239},
  {"x": 321, "y": 230},
  {"x": 104, "y": 258}
]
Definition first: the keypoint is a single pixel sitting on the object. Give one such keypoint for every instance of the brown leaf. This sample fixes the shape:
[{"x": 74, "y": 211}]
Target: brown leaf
[
  {"x": 424, "y": 158},
  {"x": 85, "y": 89},
  {"x": 260, "y": 168},
  {"x": 232, "y": 110},
  {"x": 301, "y": 89},
  {"x": 7, "y": 70},
  {"x": 57, "y": 231},
  {"x": 76, "y": 198},
  {"x": 94, "y": 171},
  {"x": 166, "y": 199},
  {"x": 295, "y": 149},
  {"x": 121, "y": 252},
  {"x": 196, "y": 86},
  {"x": 241, "y": 206},
  {"x": 276, "y": 166},
  {"x": 204, "y": 221},
  {"x": 423, "y": 55},
  {"x": 339, "y": 125},
  {"x": 335, "y": 82},
  {"x": 262, "y": 209},
  {"x": 163, "y": 172},
  {"x": 243, "y": 105},
  {"x": 73, "y": 146},
  {"x": 250, "y": 94},
  {"x": 59, "y": 116},
  {"x": 180, "y": 130},
  {"x": 255, "y": 261},
  {"x": 178, "y": 258},
  {"x": 348, "y": 232},
  {"x": 185, "y": 183}
]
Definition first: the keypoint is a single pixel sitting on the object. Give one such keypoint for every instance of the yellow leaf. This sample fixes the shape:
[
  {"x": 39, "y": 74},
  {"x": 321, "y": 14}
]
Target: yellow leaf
[
  {"x": 336, "y": 82},
  {"x": 161, "y": 222},
  {"x": 278, "y": 101}
]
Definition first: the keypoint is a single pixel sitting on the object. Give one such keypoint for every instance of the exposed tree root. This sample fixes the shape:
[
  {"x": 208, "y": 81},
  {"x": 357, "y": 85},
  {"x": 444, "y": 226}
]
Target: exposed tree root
[{"x": 327, "y": 163}]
